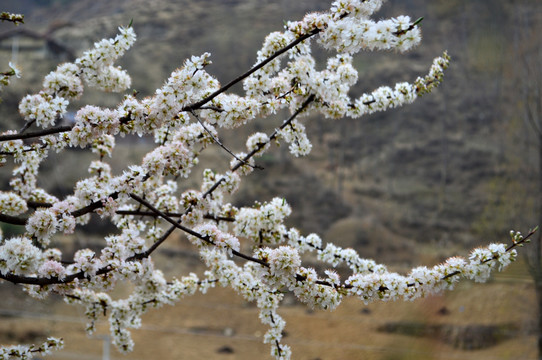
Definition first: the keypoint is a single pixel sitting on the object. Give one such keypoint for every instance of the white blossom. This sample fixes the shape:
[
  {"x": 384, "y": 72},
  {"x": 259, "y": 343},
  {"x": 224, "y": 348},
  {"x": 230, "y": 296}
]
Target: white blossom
[
  {"x": 19, "y": 256},
  {"x": 12, "y": 204}
]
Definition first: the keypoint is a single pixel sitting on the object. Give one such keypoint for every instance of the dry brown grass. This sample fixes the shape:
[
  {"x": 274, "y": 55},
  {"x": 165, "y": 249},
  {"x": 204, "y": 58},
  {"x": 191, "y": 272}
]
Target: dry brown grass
[{"x": 220, "y": 325}]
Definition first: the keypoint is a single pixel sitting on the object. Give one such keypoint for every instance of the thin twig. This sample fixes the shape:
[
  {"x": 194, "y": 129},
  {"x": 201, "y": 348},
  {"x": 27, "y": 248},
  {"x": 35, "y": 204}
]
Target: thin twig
[
  {"x": 33, "y": 147},
  {"x": 262, "y": 145},
  {"x": 411, "y": 27},
  {"x": 257, "y": 67},
  {"x": 27, "y": 125},
  {"x": 171, "y": 214},
  {"x": 145, "y": 213},
  {"x": 190, "y": 231},
  {"x": 214, "y": 108},
  {"x": 92, "y": 206},
  {"x": 219, "y": 143}
]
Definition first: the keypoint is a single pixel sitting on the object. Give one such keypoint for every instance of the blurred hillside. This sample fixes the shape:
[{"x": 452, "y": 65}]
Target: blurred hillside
[
  {"x": 436, "y": 172},
  {"x": 408, "y": 186}
]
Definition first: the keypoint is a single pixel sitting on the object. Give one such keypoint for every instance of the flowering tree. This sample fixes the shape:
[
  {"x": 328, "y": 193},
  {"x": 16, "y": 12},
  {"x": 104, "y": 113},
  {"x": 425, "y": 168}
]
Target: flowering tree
[{"x": 248, "y": 249}]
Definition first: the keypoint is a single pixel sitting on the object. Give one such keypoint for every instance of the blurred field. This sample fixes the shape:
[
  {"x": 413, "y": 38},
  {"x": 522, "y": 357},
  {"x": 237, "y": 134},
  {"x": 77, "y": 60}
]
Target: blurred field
[{"x": 477, "y": 321}]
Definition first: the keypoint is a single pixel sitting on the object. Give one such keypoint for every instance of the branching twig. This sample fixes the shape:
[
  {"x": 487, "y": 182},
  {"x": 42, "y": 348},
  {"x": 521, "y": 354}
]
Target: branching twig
[
  {"x": 27, "y": 125},
  {"x": 33, "y": 147},
  {"x": 92, "y": 206},
  {"x": 412, "y": 26},
  {"x": 76, "y": 213},
  {"x": 257, "y": 67},
  {"x": 204, "y": 238},
  {"x": 219, "y": 143},
  {"x": 14, "y": 18},
  {"x": 273, "y": 136},
  {"x": 171, "y": 214}
]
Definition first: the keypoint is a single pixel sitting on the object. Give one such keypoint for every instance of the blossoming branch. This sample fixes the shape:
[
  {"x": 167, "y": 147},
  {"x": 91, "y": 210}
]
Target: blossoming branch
[{"x": 147, "y": 202}]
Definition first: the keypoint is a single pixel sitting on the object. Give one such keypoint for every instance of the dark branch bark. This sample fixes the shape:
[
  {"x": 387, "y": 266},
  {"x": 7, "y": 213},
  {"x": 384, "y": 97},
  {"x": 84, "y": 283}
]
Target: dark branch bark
[
  {"x": 170, "y": 214},
  {"x": 14, "y": 220},
  {"x": 34, "y": 134}
]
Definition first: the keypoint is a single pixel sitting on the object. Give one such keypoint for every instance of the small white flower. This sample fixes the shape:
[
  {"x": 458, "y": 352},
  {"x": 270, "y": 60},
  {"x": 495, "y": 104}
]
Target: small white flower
[{"x": 15, "y": 69}]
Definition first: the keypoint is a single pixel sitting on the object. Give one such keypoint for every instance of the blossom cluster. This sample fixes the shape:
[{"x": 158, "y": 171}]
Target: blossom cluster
[
  {"x": 249, "y": 249},
  {"x": 14, "y": 18},
  {"x": 423, "y": 281},
  {"x": 12, "y": 204},
  {"x": 28, "y": 352},
  {"x": 65, "y": 83},
  {"x": 263, "y": 225},
  {"x": 5, "y": 77},
  {"x": 19, "y": 256},
  {"x": 96, "y": 65}
]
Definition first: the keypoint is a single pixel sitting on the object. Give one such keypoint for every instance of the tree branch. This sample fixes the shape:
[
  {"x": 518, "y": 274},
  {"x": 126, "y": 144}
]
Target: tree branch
[
  {"x": 171, "y": 214},
  {"x": 50, "y": 131},
  {"x": 219, "y": 143},
  {"x": 91, "y": 207},
  {"x": 14, "y": 220},
  {"x": 257, "y": 67},
  {"x": 204, "y": 238},
  {"x": 273, "y": 136}
]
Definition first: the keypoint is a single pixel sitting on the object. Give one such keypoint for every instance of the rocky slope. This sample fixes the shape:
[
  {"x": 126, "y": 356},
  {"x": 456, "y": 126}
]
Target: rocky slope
[{"x": 421, "y": 172}]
